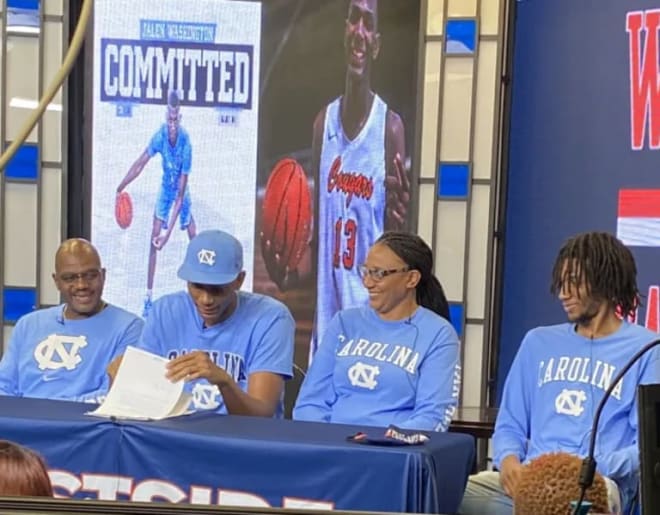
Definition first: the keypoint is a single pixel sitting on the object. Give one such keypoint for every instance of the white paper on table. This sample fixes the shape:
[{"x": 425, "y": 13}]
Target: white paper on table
[{"x": 141, "y": 390}]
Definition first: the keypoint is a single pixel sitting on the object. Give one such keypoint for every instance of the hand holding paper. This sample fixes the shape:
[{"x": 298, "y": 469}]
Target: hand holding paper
[
  {"x": 197, "y": 365},
  {"x": 141, "y": 389}
]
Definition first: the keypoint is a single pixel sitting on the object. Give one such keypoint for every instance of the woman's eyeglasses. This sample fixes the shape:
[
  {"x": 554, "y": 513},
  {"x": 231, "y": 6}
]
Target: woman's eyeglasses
[{"x": 378, "y": 274}]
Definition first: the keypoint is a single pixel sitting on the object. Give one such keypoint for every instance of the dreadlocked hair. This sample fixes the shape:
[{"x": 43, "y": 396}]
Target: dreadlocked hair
[
  {"x": 417, "y": 255},
  {"x": 605, "y": 266}
]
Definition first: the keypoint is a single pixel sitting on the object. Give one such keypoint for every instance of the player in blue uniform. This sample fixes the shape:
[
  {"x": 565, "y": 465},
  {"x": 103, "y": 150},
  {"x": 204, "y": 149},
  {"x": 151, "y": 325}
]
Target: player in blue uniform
[
  {"x": 63, "y": 352},
  {"x": 233, "y": 348},
  {"x": 172, "y": 142},
  {"x": 560, "y": 373},
  {"x": 395, "y": 361}
]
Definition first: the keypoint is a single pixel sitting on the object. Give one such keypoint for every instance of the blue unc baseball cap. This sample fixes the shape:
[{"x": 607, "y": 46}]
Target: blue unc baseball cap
[{"x": 213, "y": 257}]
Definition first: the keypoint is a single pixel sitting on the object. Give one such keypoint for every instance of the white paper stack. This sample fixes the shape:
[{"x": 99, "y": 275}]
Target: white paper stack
[{"x": 141, "y": 390}]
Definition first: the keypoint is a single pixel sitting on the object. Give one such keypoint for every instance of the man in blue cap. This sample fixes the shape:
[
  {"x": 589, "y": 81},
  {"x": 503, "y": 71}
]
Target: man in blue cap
[{"x": 233, "y": 348}]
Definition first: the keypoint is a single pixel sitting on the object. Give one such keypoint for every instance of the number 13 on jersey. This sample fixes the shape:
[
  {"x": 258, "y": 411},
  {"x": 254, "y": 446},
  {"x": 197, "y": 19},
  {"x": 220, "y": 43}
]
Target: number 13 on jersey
[{"x": 345, "y": 243}]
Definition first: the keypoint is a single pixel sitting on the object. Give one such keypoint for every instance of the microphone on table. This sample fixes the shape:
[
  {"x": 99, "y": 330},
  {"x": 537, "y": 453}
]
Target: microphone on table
[{"x": 588, "y": 470}]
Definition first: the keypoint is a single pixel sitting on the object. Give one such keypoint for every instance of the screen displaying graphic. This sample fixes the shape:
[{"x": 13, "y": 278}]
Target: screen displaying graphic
[
  {"x": 174, "y": 138},
  {"x": 288, "y": 123},
  {"x": 338, "y": 101}
]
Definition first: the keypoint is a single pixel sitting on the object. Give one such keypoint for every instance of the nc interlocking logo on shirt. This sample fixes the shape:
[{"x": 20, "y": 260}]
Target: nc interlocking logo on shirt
[
  {"x": 205, "y": 396},
  {"x": 52, "y": 353},
  {"x": 363, "y": 375},
  {"x": 206, "y": 257},
  {"x": 569, "y": 402}
]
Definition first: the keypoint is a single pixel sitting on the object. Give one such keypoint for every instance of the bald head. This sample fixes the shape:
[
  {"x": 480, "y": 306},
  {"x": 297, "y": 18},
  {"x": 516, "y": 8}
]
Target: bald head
[
  {"x": 79, "y": 278},
  {"x": 78, "y": 249}
]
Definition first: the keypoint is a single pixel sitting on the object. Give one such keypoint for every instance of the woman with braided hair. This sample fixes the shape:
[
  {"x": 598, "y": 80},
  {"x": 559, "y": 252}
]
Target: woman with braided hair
[{"x": 395, "y": 360}]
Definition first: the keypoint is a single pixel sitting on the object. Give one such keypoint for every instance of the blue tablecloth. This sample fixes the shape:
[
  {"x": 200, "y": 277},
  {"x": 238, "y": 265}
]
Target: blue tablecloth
[{"x": 207, "y": 458}]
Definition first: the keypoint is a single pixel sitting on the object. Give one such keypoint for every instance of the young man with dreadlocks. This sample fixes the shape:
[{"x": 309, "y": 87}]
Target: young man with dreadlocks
[{"x": 560, "y": 373}]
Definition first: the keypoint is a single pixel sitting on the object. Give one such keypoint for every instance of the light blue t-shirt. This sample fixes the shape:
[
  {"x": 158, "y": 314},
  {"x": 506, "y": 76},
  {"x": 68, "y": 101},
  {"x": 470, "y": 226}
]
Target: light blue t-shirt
[
  {"x": 553, "y": 389},
  {"x": 257, "y": 337},
  {"x": 375, "y": 372},
  {"x": 51, "y": 357},
  {"x": 176, "y": 160}
]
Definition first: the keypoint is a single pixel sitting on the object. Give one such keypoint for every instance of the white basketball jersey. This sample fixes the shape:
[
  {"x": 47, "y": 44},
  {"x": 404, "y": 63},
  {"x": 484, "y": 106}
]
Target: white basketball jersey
[{"x": 351, "y": 209}]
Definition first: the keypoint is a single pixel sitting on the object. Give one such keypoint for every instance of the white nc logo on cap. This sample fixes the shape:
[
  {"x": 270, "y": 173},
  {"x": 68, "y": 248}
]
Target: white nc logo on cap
[{"x": 206, "y": 257}]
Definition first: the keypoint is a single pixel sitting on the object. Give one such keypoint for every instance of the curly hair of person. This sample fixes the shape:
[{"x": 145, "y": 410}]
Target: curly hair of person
[{"x": 549, "y": 483}]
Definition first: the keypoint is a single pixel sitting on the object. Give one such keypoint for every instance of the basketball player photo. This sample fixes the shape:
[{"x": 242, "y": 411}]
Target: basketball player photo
[
  {"x": 172, "y": 142},
  {"x": 174, "y": 137},
  {"x": 358, "y": 164}
]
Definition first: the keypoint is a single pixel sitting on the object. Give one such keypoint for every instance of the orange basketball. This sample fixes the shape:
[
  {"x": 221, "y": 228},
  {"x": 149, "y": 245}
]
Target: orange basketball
[
  {"x": 124, "y": 210},
  {"x": 286, "y": 214}
]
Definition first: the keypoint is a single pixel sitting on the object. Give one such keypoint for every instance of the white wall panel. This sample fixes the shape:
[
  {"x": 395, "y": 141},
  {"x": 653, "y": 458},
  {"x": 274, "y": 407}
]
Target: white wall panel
[
  {"x": 20, "y": 238},
  {"x": 472, "y": 359},
  {"x": 478, "y": 255},
  {"x": 485, "y": 110},
  {"x": 432, "y": 70},
  {"x": 456, "y": 109},
  {"x": 450, "y": 247},
  {"x": 51, "y": 232},
  {"x": 22, "y": 83},
  {"x": 425, "y": 212}
]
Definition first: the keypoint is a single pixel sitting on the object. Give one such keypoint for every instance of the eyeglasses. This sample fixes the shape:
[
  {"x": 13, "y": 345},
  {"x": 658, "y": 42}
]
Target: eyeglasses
[
  {"x": 87, "y": 276},
  {"x": 378, "y": 274}
]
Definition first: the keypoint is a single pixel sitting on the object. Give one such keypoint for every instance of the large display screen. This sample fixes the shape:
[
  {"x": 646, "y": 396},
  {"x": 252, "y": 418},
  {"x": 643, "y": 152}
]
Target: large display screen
[
  {"x": 289, "y": 123},
  {"x": 175, "y": 105}
]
